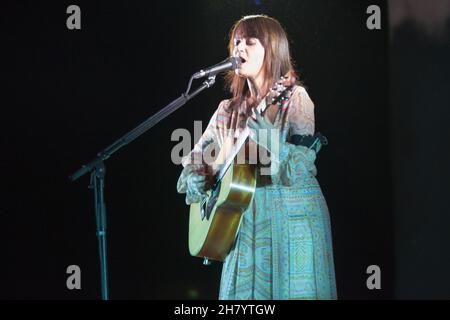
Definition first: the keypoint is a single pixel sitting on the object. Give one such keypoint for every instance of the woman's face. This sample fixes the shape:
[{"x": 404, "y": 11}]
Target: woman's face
[{"x": 251, "y": 51}]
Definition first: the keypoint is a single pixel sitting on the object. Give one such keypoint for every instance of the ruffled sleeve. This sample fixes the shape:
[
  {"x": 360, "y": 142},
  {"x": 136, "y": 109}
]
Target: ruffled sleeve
[
  {"x": 201, "y": 155},
  {"x": 292, "y": 163}
]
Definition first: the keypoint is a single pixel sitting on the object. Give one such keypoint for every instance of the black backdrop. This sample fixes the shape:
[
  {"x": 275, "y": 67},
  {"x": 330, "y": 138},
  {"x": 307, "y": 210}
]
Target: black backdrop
[
  {"x": 69, "y": 94},
  {"x": 419, "y": 121}
]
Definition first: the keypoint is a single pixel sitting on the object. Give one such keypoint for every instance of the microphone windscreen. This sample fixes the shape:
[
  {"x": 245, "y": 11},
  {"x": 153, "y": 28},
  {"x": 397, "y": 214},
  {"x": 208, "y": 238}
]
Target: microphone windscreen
[{"x": 235, "y": 62}]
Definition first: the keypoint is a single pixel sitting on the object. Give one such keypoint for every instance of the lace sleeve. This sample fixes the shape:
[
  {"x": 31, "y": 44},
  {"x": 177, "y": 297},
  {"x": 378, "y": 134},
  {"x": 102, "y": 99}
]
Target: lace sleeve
[
  {"x": 201, "y": 155},
  {"x": 301, "y": 113},
  {"x": 295, "y": 162}
]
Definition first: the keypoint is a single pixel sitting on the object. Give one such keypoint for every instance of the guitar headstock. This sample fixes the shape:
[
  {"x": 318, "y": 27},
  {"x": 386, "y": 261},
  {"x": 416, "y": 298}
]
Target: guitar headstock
[{"x": 281, "y": 90}]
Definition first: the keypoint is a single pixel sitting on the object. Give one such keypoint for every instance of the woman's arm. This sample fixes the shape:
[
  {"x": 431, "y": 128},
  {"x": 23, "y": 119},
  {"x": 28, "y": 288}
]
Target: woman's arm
[
  {"x": 294, "y": 162},
  {"x": 193, "y": 177}
]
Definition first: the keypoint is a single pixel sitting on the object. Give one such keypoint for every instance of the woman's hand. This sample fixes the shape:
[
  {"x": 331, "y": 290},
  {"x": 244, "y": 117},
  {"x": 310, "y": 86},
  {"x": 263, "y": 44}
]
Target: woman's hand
[
  {"x": 199, "y": 181},
  {"x": 263, "y": 132}
]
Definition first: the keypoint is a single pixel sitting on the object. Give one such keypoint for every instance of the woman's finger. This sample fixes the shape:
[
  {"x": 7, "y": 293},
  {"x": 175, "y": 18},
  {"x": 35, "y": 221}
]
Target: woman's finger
[
  {"x": 197, "y": 189},
  {"x": 198, "y": 178},
  {"x": 259, "y": 118},
  {"x": 267, "y": 121},
  {"x": 252, "y": 123},
  {"x": 199, "y": 184}
]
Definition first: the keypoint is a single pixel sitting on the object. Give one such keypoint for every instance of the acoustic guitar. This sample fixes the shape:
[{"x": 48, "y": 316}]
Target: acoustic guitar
[{"x": 214, "y": 222}]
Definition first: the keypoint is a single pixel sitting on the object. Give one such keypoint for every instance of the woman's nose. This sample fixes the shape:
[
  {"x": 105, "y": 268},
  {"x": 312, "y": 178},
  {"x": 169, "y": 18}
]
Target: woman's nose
[{"x": 241, "y": 46}]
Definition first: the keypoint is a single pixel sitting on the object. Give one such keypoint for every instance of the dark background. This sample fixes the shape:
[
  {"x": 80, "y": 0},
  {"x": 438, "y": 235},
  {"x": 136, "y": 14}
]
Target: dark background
[
  {"x": 419, "y": 132},
  {"x": 380, "y": 96}
]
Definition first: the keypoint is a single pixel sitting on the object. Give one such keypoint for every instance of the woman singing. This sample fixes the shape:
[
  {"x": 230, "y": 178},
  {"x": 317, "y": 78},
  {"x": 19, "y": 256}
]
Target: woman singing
[{"x": 284, "y": 247}]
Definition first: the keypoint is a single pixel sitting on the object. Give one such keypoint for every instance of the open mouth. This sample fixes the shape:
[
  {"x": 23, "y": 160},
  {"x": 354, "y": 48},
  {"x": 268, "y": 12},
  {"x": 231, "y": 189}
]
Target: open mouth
[{"x": 243, "y": 60}]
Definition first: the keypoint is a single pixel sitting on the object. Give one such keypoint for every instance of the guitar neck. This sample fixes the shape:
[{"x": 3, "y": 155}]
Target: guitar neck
[
  {"x": 236, "y": 148},
  {"x": 239, "y": 144}
]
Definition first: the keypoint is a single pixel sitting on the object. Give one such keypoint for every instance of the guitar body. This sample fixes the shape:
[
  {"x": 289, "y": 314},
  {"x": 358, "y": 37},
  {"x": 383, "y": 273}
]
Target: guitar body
[
  {"x": 214, "y": 223},
  {"x": 213, "y": 231}
]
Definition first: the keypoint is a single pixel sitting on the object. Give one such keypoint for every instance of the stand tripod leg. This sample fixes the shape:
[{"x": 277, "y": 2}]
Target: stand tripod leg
[{"x": 98, "y": 183}]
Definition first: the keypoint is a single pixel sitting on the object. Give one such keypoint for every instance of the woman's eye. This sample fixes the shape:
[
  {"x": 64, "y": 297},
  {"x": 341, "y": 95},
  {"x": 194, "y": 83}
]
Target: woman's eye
[{"x": 248, "y": 42}]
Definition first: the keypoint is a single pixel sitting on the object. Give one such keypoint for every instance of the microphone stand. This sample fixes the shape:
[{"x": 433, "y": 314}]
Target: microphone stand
[{"x": 97, "y": 169}]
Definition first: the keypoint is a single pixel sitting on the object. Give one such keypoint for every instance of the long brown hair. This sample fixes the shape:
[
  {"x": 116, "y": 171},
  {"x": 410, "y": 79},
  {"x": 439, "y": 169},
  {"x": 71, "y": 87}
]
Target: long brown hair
[{"x": 277, "y": 58}]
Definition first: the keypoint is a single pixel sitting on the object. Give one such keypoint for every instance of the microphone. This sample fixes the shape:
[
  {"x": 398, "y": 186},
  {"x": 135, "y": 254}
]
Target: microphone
[{"x": 229, "y": 63}]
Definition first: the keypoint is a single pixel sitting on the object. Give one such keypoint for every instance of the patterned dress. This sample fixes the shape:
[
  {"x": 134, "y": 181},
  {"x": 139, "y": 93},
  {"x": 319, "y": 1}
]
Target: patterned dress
[{"x": 284, "y": 246}]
